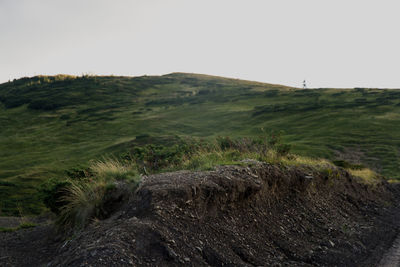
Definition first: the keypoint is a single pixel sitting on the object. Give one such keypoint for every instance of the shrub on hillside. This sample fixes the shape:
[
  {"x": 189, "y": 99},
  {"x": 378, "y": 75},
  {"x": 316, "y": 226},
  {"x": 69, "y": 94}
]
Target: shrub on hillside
[
  {"x": 283, "y": 149},
  {"x": 156, "y": 157},
  {"x": 45, "y": 104},
  {"x": 52, "y": 192}
]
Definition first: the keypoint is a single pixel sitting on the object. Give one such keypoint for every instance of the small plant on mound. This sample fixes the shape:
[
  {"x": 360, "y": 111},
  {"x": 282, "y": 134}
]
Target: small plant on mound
[
  {"x": 83, "y": 202},
  {"x": 91, "y": 201},
  {"x": 76, "y": 202}
]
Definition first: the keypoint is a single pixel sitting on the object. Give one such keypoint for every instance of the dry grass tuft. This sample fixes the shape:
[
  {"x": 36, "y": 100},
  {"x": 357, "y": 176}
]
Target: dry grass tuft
[
  {"x": 111, "y": 169},
  {"x": 367, "y": 175},
  {"x": 296, "y": 160},
  {"x": 83, "y": 202}
]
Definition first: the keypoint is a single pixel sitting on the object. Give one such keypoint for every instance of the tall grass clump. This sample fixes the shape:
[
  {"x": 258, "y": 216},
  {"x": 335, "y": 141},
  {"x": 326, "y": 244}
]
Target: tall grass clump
[
  {"x": 78, "y": 201},
  {"x": 83, "y": 202}
]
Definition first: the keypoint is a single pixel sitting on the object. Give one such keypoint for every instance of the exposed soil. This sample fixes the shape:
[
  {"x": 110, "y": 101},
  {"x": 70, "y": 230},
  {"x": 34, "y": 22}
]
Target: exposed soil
[
  {"x": 392, "y": 256},
  {"x": 10, "y": 222},
  {"x": 263, "y": 215}
]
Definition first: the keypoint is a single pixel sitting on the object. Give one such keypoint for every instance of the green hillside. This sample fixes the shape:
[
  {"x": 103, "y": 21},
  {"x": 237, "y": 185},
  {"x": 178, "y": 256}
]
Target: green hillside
[{"x": 52, "y": 124}]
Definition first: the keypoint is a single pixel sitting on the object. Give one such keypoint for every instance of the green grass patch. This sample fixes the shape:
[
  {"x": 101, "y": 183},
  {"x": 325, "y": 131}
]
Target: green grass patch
[{"x": 52, "y": 124}]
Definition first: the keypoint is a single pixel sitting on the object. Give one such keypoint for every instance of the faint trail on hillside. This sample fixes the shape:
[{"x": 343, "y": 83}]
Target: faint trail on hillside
[{"x": 392, "y": 257}]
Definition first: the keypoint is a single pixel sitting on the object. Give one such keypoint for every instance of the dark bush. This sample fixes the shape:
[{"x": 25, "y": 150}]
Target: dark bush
[
  {"x": 275, "y": 138},
  {"x": 42, "y": 104},
  {"x": 78, "y": 173},
  {"x": 271, "y": 93},
  {"x": 205, "y": 92},
  {"x": 12, "y": 102},
  {"x": 65, "y": 117},
  {"x": 5, "y": 183},
  {"x": 283, "y": 149},
  {"x": 225, "y": 142},
  {"x": 155, "y": 157},
  {"x": 51, "y": 193}
]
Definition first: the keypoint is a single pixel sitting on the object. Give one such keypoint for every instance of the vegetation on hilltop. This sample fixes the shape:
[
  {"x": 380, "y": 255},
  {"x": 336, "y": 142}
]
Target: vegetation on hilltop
[{"x": 52, "y": 126}]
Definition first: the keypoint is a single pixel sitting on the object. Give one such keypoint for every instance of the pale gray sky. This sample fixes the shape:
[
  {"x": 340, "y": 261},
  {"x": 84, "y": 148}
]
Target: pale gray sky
[{"x": 337, "y": 43}]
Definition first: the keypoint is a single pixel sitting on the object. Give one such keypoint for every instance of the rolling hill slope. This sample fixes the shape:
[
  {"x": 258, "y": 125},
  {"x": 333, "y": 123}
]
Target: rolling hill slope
[{"x": 52, "y": 124}]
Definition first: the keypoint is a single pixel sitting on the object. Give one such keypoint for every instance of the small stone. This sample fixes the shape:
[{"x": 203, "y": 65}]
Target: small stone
[
  {"x": 186, "y": 259},
  {"x": 332, "y": 244},
  {"x": 172, "y": 253}
]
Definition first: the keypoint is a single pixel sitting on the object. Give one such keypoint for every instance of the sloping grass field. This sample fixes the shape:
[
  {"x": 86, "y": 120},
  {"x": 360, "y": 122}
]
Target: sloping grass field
[{"x": 52, "y": 126}]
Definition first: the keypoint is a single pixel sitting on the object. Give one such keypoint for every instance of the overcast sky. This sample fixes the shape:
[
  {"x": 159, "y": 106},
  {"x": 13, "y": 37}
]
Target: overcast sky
[{"x": 338, "y": 43}]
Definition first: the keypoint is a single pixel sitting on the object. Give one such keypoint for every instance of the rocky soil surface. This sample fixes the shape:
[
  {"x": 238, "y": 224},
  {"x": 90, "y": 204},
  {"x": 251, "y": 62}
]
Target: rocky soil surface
[
  {"x": 261, "y": 215},
  {"x": 10, "y": 222},
  {"x": 392, "y": 256}
]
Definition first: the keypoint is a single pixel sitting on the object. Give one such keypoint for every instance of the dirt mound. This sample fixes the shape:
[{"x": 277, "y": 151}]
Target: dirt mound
[{"x": 263, "y": 215}]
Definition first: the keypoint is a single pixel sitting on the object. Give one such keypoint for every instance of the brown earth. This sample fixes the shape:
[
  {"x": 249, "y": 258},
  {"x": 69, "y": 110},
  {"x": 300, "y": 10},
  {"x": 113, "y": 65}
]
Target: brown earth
[{"x": 262, "y": 215}]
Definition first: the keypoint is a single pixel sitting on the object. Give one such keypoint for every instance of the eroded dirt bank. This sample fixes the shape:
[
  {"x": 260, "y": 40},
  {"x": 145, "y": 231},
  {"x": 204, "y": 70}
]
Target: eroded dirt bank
[{"x": 262, "y": 215}]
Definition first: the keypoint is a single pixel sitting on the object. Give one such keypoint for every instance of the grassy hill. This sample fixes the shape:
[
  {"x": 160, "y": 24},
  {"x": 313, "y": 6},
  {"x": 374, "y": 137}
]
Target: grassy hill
[{"x": 52, "y": 124}]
